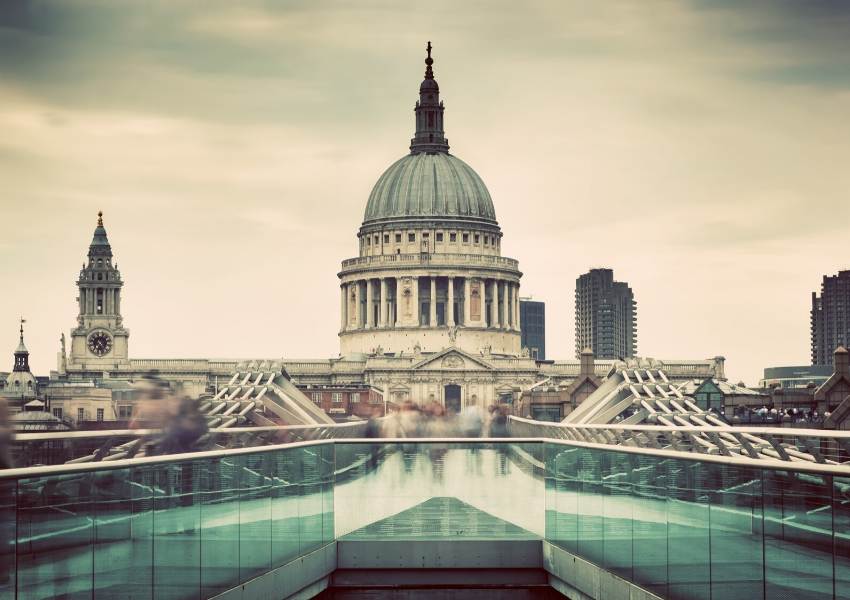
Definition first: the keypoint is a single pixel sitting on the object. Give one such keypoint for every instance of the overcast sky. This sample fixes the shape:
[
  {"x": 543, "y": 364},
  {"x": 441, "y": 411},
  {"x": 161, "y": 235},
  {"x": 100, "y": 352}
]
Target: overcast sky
[{"x": 698, "y": 148}]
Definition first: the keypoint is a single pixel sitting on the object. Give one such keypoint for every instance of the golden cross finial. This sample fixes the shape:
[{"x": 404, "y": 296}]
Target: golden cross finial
[{"x": 100, "y": 218}]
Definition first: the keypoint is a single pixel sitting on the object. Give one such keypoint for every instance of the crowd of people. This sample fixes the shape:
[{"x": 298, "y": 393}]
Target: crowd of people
[
  {"x": 765, "y": 414},
  {"x": 433, "y": 420}
]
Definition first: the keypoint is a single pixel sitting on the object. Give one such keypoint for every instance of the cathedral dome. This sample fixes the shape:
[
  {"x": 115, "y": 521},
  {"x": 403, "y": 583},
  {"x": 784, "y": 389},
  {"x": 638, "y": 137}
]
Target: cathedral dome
[
  {"x": 429, "y": 183},
  {"x": 424, "y": 185}
]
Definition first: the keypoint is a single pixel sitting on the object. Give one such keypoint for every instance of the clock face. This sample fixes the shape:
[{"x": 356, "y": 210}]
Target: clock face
[{"x": 100, "y": 343}]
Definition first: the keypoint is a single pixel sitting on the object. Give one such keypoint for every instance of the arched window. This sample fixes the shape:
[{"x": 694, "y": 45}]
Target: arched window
[{"x": 29, "y": 384}]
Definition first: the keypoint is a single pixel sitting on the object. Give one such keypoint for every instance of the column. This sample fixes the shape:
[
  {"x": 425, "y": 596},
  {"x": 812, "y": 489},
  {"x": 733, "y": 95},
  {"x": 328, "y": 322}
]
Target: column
[
  {"x": 450, "y": 309},
  {"x": 416, "y": 308},
  {"x": 117, "y": 301},
  {"x": 494, "y": 305},
  {"x": 432, "y": 319},
  {"x": 466, "y": 301},
  {"x": 382, "y": 313},
  {"x": 509, "y": 302},
  {"x": 396, "y": 309},
  {"x": 343, "y": 303},
  {"x": 516, "y": 306},
  {"x": 358, "y": 315},
  {"x": 504, "y": 320},
  {"x": 370, "y": 305}
]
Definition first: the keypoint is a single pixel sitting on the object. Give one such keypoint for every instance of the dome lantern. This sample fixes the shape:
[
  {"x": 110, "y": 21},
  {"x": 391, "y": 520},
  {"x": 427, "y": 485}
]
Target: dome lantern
[{"x": 429, "y": 137}]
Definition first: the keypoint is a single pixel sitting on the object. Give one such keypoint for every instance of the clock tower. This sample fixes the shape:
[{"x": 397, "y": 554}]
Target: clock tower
[{"x": 99, "y": 342}]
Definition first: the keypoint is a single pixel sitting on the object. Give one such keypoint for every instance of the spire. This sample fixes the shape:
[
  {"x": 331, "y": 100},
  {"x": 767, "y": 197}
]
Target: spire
[
  {"x": 100, "y": 243},
  {"x": 429, "y": 72},
  {"x": 21, "y": 352},
  {"x": 429, "y": 137}
]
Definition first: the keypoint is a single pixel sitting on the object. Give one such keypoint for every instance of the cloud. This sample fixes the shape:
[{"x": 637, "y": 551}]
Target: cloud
[{"x": 698, "y": 148}]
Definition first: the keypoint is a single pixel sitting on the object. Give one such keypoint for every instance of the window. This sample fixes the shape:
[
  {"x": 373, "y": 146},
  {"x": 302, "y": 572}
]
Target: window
[
  {"x": 439, "y": 236},
  {"x": 57, "y": 412},
  {"x": 486, "y": 240},
  {"x": 316, "y": 397},
  {"x": 368, "y": 241},
  {"x": 355, "y": 397},
  {"x": 125, "y": 412},
  {"x": 452, "y": 237},
  {"x": 100, "y": 276},
  {"x": 377, "y": 239},
  {"x": 386, "y": 238},
  {"x": 477, "y": 238},
  {"x": 100, "y": 414},
  {"x": 465, "y": 238},
  {"x": 411, "y": 237},
  {"x": 336, "y": 397},
  {"x": 81, "y": 415},
  {"x": 398, "y": 238},
  {"x": 425, "y": 235}
]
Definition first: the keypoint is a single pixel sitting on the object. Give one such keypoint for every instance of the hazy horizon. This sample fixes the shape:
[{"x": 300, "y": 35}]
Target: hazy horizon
[{"x": 699, "y": 149}]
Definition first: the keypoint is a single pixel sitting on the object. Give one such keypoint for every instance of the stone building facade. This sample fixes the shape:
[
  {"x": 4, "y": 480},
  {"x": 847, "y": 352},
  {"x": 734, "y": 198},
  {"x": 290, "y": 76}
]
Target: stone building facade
[
  {"x": 430, "y": 273},
  {"x": 429, "y": 308}
]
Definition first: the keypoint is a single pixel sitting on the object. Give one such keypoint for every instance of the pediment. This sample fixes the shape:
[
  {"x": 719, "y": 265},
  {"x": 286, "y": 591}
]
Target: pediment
[{"x": 454, "y": 360}]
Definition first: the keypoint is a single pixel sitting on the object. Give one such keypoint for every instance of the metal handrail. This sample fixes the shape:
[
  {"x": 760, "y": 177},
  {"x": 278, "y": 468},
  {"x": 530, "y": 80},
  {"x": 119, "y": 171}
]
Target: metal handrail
[
  {"x": 803, "y": 467},
  {"x": 693, "y": 428},
  {"x": 753, "y": 444},
  {"x": 81, "y": 435}
]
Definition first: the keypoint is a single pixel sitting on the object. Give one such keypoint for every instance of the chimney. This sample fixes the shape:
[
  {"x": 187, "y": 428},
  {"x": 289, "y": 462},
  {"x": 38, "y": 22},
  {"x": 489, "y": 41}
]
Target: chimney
[
  {"x": 587, "y": 365},
  {"x": 841, "y": 361}
]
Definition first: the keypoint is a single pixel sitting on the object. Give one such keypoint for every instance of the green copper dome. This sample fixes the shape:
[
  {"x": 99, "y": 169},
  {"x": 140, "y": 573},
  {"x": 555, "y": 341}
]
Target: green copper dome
[
  {"x": 429, "y": 183},
  {"x": 430, "y": 186}
]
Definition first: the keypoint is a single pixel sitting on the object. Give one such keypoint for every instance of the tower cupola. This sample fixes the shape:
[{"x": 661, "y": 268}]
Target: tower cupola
[
  {"x": 22, "y": 355},
  {"x": 429, "y": 137}
]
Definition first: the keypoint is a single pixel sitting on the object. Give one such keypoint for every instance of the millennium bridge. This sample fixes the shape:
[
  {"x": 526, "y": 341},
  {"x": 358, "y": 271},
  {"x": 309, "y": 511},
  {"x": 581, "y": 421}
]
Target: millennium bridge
[
  {"x": 639, "y": 494},
  {"x": 517, "y": 517}
]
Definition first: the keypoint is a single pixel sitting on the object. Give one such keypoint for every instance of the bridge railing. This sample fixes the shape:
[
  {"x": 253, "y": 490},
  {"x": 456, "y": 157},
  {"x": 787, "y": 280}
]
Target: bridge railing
[
  {"x": 680, "y": 524},
  {"x": 757, "y": 443},
  {"x": 54, "y": 448}
]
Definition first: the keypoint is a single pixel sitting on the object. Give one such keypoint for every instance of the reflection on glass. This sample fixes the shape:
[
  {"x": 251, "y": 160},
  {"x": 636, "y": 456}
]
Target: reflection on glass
[
  {"x": 439, "y": 490},
  {"x": 688, "y": 529}
]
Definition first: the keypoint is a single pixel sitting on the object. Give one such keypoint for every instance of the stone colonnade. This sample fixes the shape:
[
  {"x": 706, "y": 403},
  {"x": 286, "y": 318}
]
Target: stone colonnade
[
  {"x": 111, "y": 301},
  {"x": 429, "y": 301}
]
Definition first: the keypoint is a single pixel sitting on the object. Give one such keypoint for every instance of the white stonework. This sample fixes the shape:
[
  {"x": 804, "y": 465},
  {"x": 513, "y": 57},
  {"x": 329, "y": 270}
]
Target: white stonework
[{"x": 429, "y": 309}]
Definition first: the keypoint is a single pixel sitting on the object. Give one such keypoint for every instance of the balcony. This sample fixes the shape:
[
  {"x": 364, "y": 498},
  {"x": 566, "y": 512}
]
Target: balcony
[{"x": 483, "y": 261}]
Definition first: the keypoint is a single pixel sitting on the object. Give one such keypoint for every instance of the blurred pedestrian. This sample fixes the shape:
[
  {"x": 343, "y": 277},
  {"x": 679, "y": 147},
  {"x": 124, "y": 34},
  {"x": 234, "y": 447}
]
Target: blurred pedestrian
[
  {"x": 6, "y": 436},
  {"x": 183, "y": 433},
  {"x": 499, "y": 422}
]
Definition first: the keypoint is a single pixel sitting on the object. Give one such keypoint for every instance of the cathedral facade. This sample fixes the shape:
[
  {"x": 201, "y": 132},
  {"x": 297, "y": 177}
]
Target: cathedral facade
[{"x": 429, "y": 309}]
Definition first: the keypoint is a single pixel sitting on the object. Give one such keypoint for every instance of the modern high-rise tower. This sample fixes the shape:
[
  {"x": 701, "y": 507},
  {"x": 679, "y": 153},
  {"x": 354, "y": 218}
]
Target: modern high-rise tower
[
  {"x": 532, "y": 324},
  {"x": 830, "y": 317},
  {"x": 606, "y": 316}
]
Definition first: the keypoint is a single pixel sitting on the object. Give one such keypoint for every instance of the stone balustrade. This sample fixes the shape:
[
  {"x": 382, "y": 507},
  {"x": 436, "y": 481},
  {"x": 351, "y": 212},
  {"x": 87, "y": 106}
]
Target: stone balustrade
[{"x": 429, "y": 260}]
